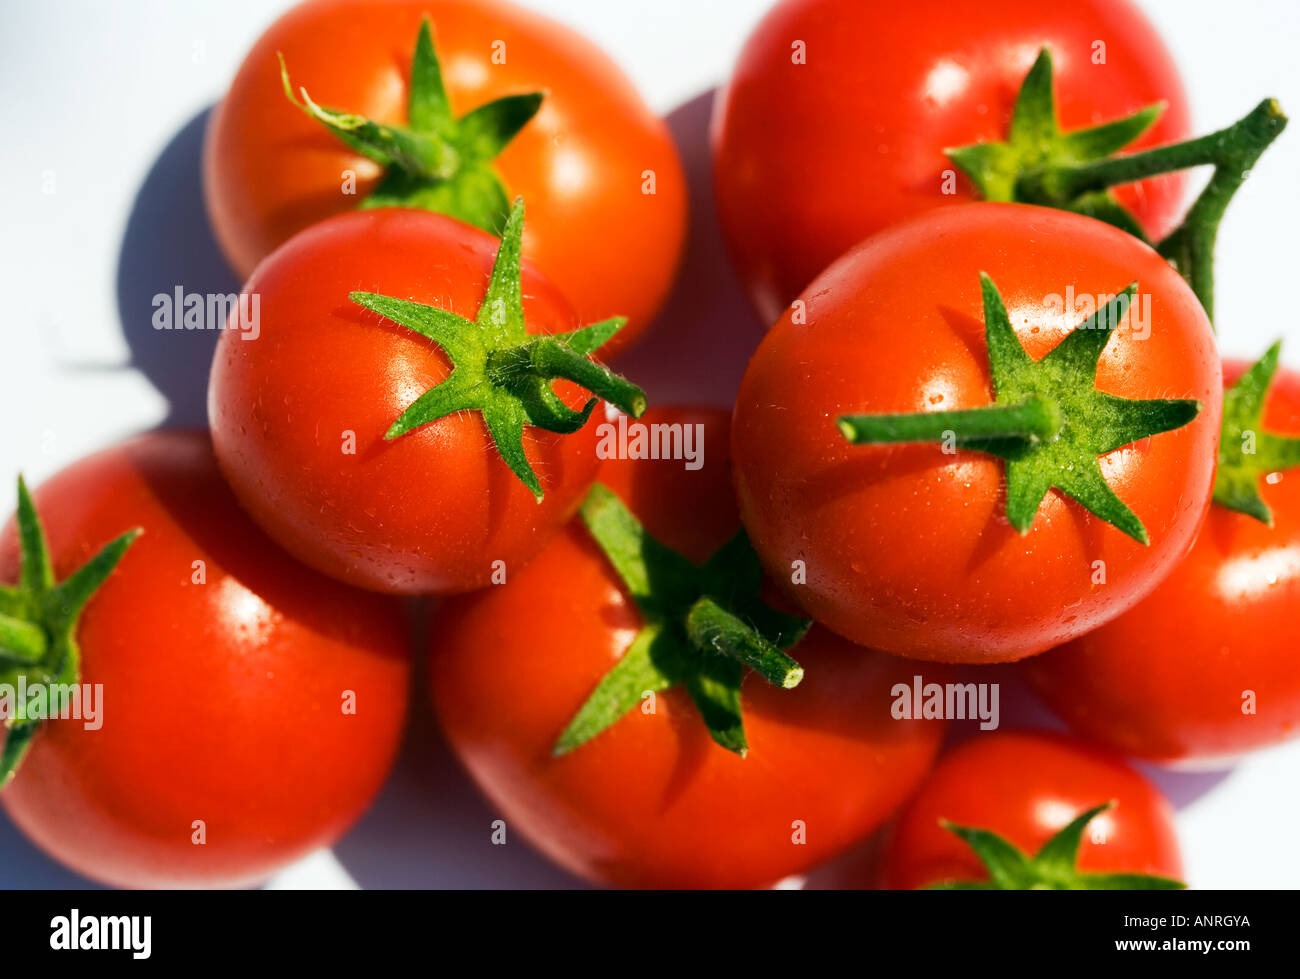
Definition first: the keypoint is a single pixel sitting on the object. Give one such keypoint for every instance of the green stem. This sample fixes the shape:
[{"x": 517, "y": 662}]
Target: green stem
[
  {"x": 710, "y": 626},
  {"x": 548, "y": 358},
  {"x": 1249, "y": 135},
  {"x": 22, "y": 641},
  {"x": 1190, "y": 247},
  {"x": 1035, "y": 418}
]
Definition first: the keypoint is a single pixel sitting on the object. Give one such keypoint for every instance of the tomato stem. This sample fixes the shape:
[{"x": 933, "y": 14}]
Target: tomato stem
[
  {"x": 549, "y": 358},
  {"x": 710, "y": 626},
  {"x": 1246, "y": 451},
  {"x": 1039, "y": 163},
  {"x": 1048, "y": 422},
  {"x": 1036, "y": 419},
  {"x": 38, "y": 622},
  {"x": 437, "y": 161},
  {"x": 702, "y": 625},
  {"x": 501, "y": 370},
  {"x": 20, "y": 641}
]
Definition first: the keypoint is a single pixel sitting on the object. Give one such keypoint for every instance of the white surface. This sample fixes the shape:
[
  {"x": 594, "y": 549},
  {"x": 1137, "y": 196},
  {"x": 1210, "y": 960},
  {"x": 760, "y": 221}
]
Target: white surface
[{"x": 104, "y": 98}]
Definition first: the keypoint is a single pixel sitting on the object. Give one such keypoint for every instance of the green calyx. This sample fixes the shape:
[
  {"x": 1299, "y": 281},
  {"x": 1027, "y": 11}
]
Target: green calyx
[
  {"x": 501, "y": 370},
  {"x": 1048, "y": 422},
  {"x": 1074, "y": 171},
  {"x": 38, "y": 624},
  {"x": 703, "y": 626},
  {"x": 1053, "y": 868},
  {"x": 1246, "y": 452},
  {"x": 436, "y": 162}
]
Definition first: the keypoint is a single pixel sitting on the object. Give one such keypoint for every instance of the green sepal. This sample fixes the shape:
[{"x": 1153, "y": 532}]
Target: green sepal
[
  {"x": 1074, "y": 171},
  {"x": 1035, "y": 141},
  {"x": 1246, "y": 451},
  {"x": 702, "y": 626},
  {"x": 501, "y": 370},
  {"x": 1048, "y": 422},
  {"x": 436, "y": 162},
  {"x": 1053, "y": 868},
  {"x": 38, "y": 622}
]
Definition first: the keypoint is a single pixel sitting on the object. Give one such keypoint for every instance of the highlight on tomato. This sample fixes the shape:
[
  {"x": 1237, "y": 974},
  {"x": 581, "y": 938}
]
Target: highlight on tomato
[
  {"x": 1203, "y": 669},
  {"x": 1076, "y": 106},
  {"x": 409, "y": 416},
  {"x": 639, "y": 705},
  {"x": 1024, "y": 810},
  {"x": 945, "y": 451},
  {"x": 457, "y": 107},
  {"x": 200, "y": 709}
]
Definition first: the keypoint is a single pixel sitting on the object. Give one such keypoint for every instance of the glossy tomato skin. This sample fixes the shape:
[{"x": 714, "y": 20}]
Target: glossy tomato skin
[
  {"x": 810, "y": 158},
  {"x": 652, "y": 801},
  {"x": 1026, "y": 787},
  {"x": 907, "y": 547},
  {"x": 269, "y": 171},
  {"x": 221, "y": 698},
  {"x": 1168, "y": 680},
  {"x": 429, "y": 511}
]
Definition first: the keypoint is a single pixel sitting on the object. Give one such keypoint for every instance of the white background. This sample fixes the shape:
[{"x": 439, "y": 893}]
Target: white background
[{"x": 105, "y": 99}]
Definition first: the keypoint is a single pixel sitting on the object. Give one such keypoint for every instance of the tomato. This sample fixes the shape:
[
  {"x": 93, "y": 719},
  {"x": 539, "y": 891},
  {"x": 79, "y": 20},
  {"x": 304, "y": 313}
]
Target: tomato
[
  {"x": 1025, "y": 787},
  {"x": 227, "y": 748},
  {"x": 835, "y": 122},
  {"x": 1202, "y": 670},
  {"x": 302, "y": 408},
  {"x": 912, "y": 548},
  {"x": 651, "y": 801},
  {"x": 584, "y": 163}
]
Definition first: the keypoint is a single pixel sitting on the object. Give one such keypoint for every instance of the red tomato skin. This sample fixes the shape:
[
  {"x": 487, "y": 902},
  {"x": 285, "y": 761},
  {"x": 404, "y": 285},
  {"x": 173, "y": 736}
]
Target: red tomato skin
[
  {"x": 221, "y": 700},
  {"x": 652, "y": 801},
  {"x": 1165, "y": 680},
  {"x": 424, "y": 513},
  {"x": 1027, "y": 786},
  {"x": 907, "y": 548},
  {"x": 811, "y": 158},
  {"x": 269, "y": 171}
]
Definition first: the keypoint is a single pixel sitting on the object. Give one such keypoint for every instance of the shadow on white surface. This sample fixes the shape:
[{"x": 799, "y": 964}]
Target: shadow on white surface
[
  {"x": 168, "y": 243},
  {"x": 697, "y": 350}
]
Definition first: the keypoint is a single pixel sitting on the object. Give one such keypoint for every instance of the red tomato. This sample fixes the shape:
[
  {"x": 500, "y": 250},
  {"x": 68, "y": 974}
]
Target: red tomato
[
  {"x": 651, "y": 801},
  {"x": 1203, "y": 669},
  {"x": 223, "y": 684},
  {"x": 908, "y": 548},
  {"x": 581, "y": 163},
  {"x": 1026, "y": 787},
  {"x": 813, "y": 155},
  {"x": 299, "y": 414}
]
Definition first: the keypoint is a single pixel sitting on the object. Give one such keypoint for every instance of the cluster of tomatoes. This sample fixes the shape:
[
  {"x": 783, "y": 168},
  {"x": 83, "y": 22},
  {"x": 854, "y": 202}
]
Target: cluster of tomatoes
[{"x": 682, "y": 665}]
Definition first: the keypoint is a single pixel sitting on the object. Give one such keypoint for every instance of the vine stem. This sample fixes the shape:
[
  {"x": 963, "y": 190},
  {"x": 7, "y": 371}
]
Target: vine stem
[{"x": 1035, "y": 418}]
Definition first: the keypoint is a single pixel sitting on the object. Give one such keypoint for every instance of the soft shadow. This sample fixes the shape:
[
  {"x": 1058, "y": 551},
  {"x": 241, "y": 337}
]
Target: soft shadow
[
  {"x": 430, "y": 827},
  {"x": 168, "y": 243},
  {"x": 697, "y": 350},
  {"x": 23, "y": 866}
]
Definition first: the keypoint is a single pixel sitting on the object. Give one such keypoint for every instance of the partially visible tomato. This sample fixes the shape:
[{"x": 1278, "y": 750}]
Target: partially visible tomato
[
  {"x": 1204, "y": 668},
  {"x": 300, "y": 412},
  {"x": 835, "y": 122},
  {"x": 597, "y": 167},
  {"x": 652, "y": 801},
  {"x": 1026, "y": 787},
  {"x": 908, "y": 548},
  {"x": 250, "y": 708}
]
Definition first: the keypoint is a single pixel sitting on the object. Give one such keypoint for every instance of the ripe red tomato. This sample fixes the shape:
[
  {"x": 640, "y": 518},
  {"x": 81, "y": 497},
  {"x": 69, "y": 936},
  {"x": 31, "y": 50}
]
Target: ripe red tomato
[
  {"x": 816, "y": 147},
  {"x": 1026, "y": 787},
  {"x": 299, "y": 414},
  {"x": 225, "y": 669},
  {"x": 582, "y": 163},
  {"x": 651, "y": 801},
  {"x": 908, "y": 548},
  {"x": 1203, "y": 669}
]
